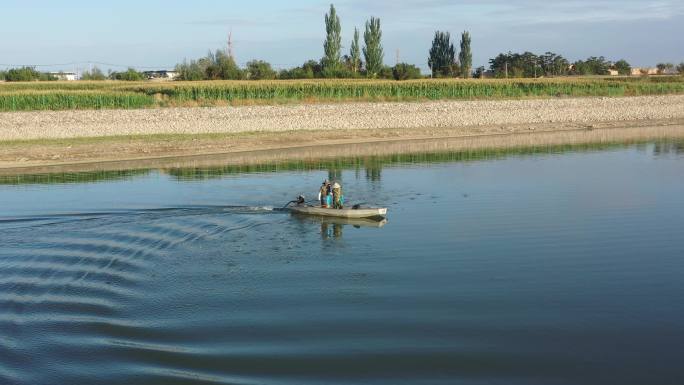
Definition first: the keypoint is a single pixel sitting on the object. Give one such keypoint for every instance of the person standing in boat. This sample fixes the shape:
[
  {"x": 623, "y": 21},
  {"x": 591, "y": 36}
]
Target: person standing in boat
[
  {"x": 324, "y": 193},
  {"x": 338, "y": 198}
]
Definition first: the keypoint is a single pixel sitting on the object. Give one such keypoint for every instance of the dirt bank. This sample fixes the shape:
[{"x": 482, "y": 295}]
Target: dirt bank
[
  {"x": 37, "y": 139},
  {"x": 223, "y": 149}
]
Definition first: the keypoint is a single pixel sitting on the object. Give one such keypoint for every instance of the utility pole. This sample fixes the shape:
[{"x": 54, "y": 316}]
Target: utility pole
[
  {"x": 397, "y": 56},
  {"x": 230, "y": 44},
  {"x": 506, "y": 70}
]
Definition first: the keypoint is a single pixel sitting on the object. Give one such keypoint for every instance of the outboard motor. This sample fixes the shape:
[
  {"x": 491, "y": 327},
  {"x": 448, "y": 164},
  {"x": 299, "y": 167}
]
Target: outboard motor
[{"x": 299, "y": 201}]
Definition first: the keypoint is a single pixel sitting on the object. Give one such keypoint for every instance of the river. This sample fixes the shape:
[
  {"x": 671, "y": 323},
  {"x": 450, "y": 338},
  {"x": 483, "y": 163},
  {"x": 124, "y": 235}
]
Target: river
[{"x": 538, "y": 266}]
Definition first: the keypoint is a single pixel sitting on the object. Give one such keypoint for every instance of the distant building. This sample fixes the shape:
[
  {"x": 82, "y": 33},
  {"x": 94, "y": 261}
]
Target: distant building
[
  {"x": 613, "y": 72},
  {"x": 64, "y": 76},
  {"x": 670, "y": 71},
  {"x": 644, "y": 71},
  {"x": 161, "y": 75}
]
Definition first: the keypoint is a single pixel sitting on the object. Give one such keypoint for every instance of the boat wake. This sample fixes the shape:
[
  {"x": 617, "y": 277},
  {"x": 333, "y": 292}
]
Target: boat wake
[
  {"x": 129, "y": 214},
  {"x": 69, "y": 281}
]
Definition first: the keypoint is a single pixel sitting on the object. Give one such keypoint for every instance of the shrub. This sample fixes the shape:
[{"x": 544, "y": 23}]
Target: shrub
[
  {"x": 215, "y": 66},
  {"x": 26, "y": 74},
  {"x": 404, "y": 71},
  {"x": 296, "y": 73},
  {"x": 95, "y": 74},
  {"x": 622, "y": 67},
  {"x": 221, "y": 66},
  {"x": 260, "y": 70},
  {"x": 130, "y": 75},
  {"x": 386, "y": 72},
  {"x": 190, "y": 71},
  {"x": 309, "y": 70}
]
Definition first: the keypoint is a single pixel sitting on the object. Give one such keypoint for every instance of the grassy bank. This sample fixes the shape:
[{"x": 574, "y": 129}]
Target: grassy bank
[{"x": 102, "y": 95}]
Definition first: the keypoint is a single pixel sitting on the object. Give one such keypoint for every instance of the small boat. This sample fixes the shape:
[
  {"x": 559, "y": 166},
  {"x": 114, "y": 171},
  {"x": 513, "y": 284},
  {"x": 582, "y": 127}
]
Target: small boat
[{"x": 378, "y": 213}]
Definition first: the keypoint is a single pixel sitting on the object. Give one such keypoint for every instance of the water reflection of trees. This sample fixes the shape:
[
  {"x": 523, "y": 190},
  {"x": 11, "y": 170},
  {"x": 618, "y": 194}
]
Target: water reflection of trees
[
  {"x": 71, "y": 177},
  {"x": 374, "y": 172},
  {"x": 372, "y": 165},
  {"x": 668, "y": 148}
]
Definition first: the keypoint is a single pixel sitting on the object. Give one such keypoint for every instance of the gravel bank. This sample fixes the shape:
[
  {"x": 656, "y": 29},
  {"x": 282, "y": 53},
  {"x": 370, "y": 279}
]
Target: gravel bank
[{"x": 451, "y": 114}]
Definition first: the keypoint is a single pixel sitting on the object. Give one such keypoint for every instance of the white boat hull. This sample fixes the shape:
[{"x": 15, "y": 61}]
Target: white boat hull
[{"x": 344, "y": 213}]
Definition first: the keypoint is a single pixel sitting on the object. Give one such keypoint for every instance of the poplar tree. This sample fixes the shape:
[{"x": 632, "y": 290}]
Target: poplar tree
[
  {"x": 465, "y": 57},
  {"x": 372, "y": 51},
  {"x": 355, "y": 52},
  {"x": 442, "y": 55},
  {"x": 333, "y": 41}
]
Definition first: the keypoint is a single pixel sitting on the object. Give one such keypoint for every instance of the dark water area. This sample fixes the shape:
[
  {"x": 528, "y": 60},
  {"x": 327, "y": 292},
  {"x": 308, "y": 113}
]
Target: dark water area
[{"x": 563, "y": 266}]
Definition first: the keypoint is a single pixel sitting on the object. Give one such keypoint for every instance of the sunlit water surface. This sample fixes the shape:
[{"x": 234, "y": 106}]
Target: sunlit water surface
[{"x": 540, "y": 268}]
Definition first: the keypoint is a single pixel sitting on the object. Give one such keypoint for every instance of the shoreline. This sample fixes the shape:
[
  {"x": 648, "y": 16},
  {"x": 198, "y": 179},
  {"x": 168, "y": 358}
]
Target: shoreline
[
  {"x": 52, "y": 138},
  {"x": 270, "y": 149}
]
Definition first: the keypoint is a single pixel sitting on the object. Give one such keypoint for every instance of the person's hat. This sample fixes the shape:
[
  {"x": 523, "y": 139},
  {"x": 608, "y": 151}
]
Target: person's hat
[
  {"x": 326, "y": 182},
  {"x": 336, "y": 185}
]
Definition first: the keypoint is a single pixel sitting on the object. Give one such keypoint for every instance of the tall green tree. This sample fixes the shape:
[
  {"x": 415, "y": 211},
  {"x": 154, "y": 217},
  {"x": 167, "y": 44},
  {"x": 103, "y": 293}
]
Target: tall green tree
[
  {"x": 442, "y": 55},
  {"x": 372, "y": 51},
  {"x": 333, "y": 41},
  {"x": 465, "y": 57},
  {"x": 355, "y": 52}
]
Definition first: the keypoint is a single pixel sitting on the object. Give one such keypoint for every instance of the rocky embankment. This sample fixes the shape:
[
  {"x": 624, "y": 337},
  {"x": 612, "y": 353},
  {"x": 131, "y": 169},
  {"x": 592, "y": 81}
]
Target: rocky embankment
[{"x": 438, "y": 114}]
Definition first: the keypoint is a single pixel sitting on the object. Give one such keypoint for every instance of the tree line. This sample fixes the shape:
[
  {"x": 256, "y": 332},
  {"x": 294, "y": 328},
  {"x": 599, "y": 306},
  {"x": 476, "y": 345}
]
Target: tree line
[
  {"x": 367, "y": 61},
  {"x": 528, "y": 64},
  {"x": 362, "y": 61},
  {"x": 28, "y": 74}
]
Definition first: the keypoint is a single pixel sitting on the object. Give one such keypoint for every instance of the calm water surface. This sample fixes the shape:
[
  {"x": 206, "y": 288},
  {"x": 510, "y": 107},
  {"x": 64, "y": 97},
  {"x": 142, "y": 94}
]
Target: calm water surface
[{"x": 541, "y": 268}]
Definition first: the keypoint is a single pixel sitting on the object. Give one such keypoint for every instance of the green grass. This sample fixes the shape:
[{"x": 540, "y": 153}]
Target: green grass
[{"x": 110, "y": 94}]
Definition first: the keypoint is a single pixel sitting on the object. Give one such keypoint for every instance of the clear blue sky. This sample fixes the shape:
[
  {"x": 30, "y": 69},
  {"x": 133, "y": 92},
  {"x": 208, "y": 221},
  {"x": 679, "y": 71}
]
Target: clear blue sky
[{"x": 153, "y": 33}]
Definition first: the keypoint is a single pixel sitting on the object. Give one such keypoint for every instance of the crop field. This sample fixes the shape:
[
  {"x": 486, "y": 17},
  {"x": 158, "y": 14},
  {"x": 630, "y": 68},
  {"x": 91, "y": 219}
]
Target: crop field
[{"x": 129, "y": 95}]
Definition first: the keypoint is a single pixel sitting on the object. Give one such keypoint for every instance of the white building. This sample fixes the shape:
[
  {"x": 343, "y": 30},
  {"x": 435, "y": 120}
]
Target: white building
[
  {"x": 161, "y": 75},
  {"x": 65, "y": 76}
]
